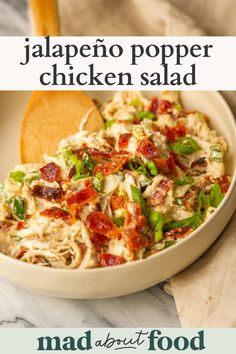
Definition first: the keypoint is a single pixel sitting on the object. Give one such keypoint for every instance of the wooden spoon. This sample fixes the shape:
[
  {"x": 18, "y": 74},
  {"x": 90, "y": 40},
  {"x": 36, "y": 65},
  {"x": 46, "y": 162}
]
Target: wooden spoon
[{"x": 52, "y": 115}]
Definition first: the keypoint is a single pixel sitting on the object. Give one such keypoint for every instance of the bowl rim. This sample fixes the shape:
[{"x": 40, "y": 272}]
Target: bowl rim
[{"x": 102, "y": 270}]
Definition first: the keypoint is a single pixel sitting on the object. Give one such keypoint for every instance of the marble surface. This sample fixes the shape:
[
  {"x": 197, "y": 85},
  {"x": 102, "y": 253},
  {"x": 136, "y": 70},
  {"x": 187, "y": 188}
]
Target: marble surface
[{"x": 149, "y": 308}]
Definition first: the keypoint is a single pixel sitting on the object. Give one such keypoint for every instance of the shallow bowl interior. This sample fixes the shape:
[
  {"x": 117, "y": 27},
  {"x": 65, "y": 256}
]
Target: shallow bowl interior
[{"x": 128, "y": 278}]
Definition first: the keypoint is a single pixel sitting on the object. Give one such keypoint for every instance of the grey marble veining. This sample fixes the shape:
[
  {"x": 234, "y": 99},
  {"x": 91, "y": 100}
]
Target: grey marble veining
[
  {"x": 13, "y": 18},
  {"x": 149, "y": 308}
]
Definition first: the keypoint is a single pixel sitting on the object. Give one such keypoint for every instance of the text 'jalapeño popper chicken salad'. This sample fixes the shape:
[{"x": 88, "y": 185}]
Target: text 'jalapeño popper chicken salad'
[{"x": 145, "y": 182}]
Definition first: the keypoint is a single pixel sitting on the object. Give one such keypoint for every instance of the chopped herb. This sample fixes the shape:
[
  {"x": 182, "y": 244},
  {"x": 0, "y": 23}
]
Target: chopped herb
[
  {"x": 178, "y": 201},
  {"x": 216, "y": 196},
  {"x": 79, "y": 165},
  {"x": 145, "y": 115},
  {"x": 152, "y": 168},
  {"x": 88, "y": 162},
  {"x": 185, "y": 145},
  {"x": 137, "y": 198},
  {"x": 136, "y": 102},
  {"x": 118, "y": 221},
  {"x": 17, "y": 176},
  {"x": 19, "y": 208},
  {"x": 193, "y": 221},
  {"x": 109, "y": 123},
  {"x": 98, "y": 182},
  {"x": 169, "y": 243},
  {"x": 184, "y": 181},
  {"x": 136, "y": 164},
  {"x": 203, "y": 203},
  {"x": 216, "y": 153},
  {"x": 156, "y": 219}
]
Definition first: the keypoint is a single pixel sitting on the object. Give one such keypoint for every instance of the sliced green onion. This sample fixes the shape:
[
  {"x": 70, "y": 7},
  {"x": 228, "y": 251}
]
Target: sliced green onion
[
  {"x": 98, "y": 182},
  {"x": 118, "y": 221},
  {"x": 193, "y": 221},
  {"x": 152, "y": 168},
  {"x": 79, "y": 165},
  {"x": 19, "y": 208},
  {"x": 80, "y": 176},
  {"x": 216, "y": 196},
  {"x": 136, "y": 102},
  {"x": 138, "y": 198},
  {"x": 156, "y": 219},
  {"x": 17, "y": 176},
  {"x": 109, "y": 123},
  {"x": 185, "y": 145},
  {"x": 169, "y": 243},
  {"x": 88, "y": 162},
  {"x": 146, "y": 114},
  {"x": 141, "y": 169},
  {"x": 216, "y": 153},
  {"x": 203, "y": 203},
  {"x": 184, "y": 181}
]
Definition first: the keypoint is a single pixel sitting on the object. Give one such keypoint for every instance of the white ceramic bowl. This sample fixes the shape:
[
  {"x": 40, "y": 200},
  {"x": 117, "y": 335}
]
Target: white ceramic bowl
[{"x": 130, "y": 277}]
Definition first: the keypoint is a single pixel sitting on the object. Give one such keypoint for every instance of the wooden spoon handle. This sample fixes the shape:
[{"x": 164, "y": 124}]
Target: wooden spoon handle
[{"x": 46, "y": 19}]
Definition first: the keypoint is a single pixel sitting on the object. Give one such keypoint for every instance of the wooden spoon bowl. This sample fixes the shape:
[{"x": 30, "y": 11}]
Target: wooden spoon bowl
[{"x": 52, "y": 115}]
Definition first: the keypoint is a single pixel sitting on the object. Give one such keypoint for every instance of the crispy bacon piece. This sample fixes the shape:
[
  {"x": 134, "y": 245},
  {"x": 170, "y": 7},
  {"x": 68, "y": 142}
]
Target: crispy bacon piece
[
  {"x": 5, "y": 225},
  {"x": 162, "y": 165},
  {"x": 109, "y": 260},
  {"x": 177, "y": 232},
  {"x": 50, "y": 172},
  {"x": 136, "y": 240},
  {"x": 158, "y": 196},
  {"x": 100, "y": 154},
  {"x": 154, "y": 105},
  {"x": 167, "y": 166},
  {"x": 224, "y": 183},
  {"x": 117, "y": 201},
  {"x": 99, "y": 241},
  {"x": 173, "y": 133},
  {"x": 147, "y": 149},
  {"x": 72, "y": 172},
  {"x": 133, "y": 230},
  {"x": 104, "y": 157},
  {"x": 85, "y": 196},
  {"x": 100, "y": 223},
  {"x": 20, "y": 225},
  {"x": 124, "y": 140},
  {"x": 164, "y": 107},
  {"x": 56, "y": 213},
  {"x": 134, "y": 212},
  {"x": 111, "y": 167},
  {"x": 111, "y": 140},
  {"x": 172, "y": 166},
  {"x": 23, "y": 251},
  {"x": 177, "y": 161},
  {"x": 48, "y": 193}
]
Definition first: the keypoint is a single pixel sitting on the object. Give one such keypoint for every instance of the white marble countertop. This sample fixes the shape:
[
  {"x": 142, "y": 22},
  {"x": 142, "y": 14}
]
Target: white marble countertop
[{"x": 21, "y": 308}]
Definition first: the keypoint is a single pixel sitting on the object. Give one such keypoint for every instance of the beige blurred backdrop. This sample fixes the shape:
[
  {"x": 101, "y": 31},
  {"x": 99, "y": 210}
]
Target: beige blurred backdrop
[{"x": 135, "y": 17}]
